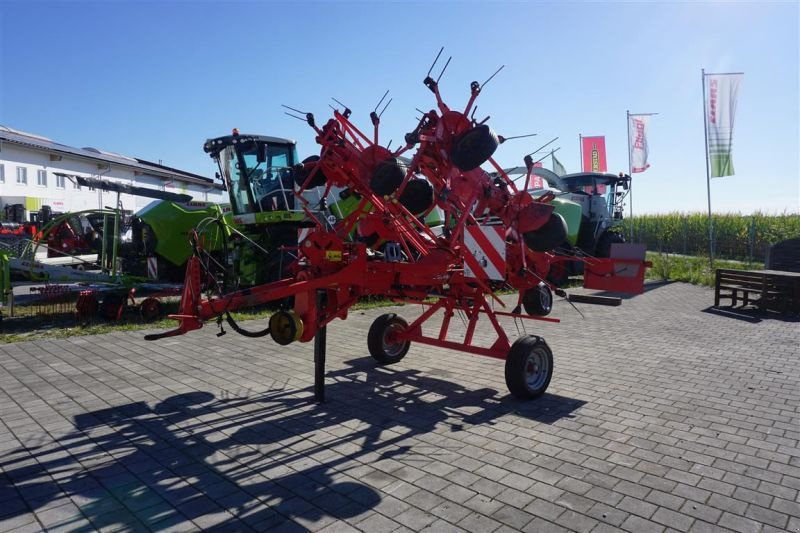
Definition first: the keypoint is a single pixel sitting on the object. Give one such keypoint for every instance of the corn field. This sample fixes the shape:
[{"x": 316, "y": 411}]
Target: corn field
[{"x": 737, "y": 237}]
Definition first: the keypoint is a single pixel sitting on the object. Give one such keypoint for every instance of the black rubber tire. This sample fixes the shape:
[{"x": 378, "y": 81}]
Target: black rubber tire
[
  {"x": 606, "y": 240},
  {"x": 551, "y": 235},
  {"x": 150, "y": 309},
  {"x": 377, "y": 335},
  {"x": 387, "y": 177},
  {"x": 518, "y": 366},
  {"x": 538, "y": 301},
  {"x": 474, "y": 147},
  {"x": 112, "y": 306},
  {"x": 301, "y": 174},
  {"x": 417, "y": 197}
]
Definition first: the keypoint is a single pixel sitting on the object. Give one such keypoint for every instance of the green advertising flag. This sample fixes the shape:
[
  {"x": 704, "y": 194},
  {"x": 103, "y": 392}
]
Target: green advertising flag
[
  {"x": 558, "y": 168},
  {"x": 721, "y": 97}
]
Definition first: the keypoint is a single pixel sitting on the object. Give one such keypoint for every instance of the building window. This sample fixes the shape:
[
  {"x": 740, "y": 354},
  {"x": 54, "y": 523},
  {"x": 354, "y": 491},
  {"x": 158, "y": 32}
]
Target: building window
[
  {"x": 75, "y": 184},
  {"x": 2, "y": 173},
  {"x": 60, "y": 181},
  {"x": 41, "y": 178},
  {"x": 22, "y": 175}
]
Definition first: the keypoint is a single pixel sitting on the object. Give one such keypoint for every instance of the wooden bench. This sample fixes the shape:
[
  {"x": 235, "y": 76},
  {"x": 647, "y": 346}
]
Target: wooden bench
[{"x": 768, "y": 289}]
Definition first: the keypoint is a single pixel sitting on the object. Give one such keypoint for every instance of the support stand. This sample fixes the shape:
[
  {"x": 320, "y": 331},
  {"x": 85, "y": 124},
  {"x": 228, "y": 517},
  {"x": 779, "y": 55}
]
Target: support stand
[{"x": 319, "y": 351}]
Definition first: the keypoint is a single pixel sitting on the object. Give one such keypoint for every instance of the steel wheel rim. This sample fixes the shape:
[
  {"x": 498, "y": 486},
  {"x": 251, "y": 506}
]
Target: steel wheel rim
[
  {"x": 392, "y": 349},
  {"x": 537, "y": 366}
]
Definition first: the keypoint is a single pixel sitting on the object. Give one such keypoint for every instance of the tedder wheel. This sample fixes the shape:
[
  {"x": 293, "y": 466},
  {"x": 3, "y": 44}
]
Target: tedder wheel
[
  {"x": 538, "y": 301},
  {"x": 382, "y": 346},
  {"x": 388, "y": 176},
  {"x": 529, "y": 367},
  {"x": 150, "y": 309},
  {"x": 300, "y": 176},
  {"x": 474, "y": 147},
  {"x": 417, "y": 197},
  {"x": 549, "y": 236}
]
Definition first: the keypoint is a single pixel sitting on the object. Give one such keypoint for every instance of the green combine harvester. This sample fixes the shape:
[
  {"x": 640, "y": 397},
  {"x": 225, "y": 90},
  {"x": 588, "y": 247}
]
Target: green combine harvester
[{"x": 264, "y": 217}]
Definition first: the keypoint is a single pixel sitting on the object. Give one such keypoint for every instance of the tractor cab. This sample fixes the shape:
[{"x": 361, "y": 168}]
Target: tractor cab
[
  {"x": 600, "y": 195},
  {"x": 257, "y": 172}
]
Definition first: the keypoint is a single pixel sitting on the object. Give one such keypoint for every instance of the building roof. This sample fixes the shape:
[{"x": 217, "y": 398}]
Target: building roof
[{"x": 155, "y": 169}]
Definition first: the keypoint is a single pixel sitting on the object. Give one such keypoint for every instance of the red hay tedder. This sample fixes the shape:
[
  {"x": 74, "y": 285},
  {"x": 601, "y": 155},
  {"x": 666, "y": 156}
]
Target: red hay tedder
[{"x": 495, "y": 236}]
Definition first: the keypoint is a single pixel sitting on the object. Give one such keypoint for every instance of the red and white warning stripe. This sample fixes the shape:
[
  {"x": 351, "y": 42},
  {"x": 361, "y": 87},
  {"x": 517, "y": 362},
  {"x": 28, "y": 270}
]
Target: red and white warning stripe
[
  {"x": 152, "y": 268},
  {"x": 486, "y": 257}
]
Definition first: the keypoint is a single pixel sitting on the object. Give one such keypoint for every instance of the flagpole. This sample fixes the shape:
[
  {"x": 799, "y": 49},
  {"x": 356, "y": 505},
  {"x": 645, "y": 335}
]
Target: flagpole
[
  {"x": 708, "y": 176},
  {"x": 630, "y": 169},
  {"x": 545, "y": 155},
  {"x": 580, "y": 144}
]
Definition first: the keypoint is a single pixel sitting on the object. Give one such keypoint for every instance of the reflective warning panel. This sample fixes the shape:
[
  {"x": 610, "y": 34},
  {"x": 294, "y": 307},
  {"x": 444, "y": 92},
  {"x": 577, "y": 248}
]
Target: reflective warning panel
[{"x": 487, "y": 252}]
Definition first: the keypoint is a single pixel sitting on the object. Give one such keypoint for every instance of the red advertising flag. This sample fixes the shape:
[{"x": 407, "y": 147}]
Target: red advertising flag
[
  {"x": 536, "y": 181},
  {"x": 594, "y": 154}
]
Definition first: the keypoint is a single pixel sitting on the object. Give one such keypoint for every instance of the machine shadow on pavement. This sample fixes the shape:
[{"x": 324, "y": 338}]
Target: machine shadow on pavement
[
  {"x": 650, "y": 285},
  {"x": 261, "y": 460},
  {"x": 751, "y": 314}
]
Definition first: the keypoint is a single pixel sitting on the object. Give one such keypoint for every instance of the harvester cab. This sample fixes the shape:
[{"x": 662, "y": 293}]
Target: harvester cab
[{"x": 257, "y": 172}]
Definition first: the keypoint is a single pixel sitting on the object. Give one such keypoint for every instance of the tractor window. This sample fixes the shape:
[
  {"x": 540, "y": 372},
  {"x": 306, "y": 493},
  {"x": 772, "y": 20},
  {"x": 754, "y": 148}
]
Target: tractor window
[
  {"x": 259, "y": 176},
  {"x": 271, "y": 179}
]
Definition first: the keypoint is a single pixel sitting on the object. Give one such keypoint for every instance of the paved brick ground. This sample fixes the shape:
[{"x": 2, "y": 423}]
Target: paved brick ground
[{"x": 660, "y": 417}]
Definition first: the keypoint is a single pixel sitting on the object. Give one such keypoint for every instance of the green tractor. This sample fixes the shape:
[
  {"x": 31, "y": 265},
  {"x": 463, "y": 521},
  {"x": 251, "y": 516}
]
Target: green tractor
[{"x": 591, "y": 204}]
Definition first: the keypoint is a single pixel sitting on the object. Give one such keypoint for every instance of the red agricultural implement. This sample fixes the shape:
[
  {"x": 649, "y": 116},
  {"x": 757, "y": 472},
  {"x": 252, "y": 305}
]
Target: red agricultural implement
[{"x": 494, "y": 236}]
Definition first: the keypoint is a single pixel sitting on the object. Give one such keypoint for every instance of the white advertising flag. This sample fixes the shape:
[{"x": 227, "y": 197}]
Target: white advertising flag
[
  {"x": 637, "y": 143},
  {"x": 722, "y": 92}
]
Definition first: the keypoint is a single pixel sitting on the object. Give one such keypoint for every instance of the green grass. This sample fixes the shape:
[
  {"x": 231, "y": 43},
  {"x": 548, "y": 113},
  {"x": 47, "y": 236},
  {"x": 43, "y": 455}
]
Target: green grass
[
  {"x": 27, "y": 326},
  {"x": 691, "y": 269},
  {"x": 671, "y": 267}
]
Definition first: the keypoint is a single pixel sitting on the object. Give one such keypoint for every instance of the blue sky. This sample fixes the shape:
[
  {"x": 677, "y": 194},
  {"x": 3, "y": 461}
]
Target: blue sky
[{"x": 155, "y": 79}]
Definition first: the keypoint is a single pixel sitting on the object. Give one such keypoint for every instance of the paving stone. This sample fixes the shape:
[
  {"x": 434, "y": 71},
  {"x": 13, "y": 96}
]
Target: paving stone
[
  {"x": 636, "y": 524},
  {"x": 607, "y": 514},
  {"x": 766, "y": 516},
  {"x": 638, "y": 507},
  {"x": 738, "y": 523},
  {"x": 478, "y": 523},
  {"x": 669, "y": 518},
  {"x": 666, "y": 500},
  {"x": 415, "y": 519},
  {"x": 544, "y": 509},
  {"x": 673, "y": 428},
  {"x": 703, "y": 512}
]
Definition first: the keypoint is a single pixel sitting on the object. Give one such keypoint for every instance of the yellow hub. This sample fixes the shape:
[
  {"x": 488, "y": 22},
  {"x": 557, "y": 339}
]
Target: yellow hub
[{"x": 285, "y": 327}]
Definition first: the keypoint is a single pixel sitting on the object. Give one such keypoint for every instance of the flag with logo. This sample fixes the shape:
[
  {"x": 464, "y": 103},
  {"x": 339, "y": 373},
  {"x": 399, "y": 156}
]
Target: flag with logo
[
  {"x": 637, "y": 143},
  {"x": 536, "y": 180},
  {"x": 558, "y": 168},
  {"x": 594, "y": 154},
  {"x": 722, "y": 91}
]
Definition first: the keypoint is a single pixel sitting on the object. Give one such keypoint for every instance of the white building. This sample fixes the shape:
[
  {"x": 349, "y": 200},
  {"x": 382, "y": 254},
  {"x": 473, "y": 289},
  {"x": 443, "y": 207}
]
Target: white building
[{"x": 29, "y": 163}]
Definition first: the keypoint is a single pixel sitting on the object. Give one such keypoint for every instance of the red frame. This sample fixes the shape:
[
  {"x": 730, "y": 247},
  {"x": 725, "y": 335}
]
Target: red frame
[{"x": 433, "y": 266}]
